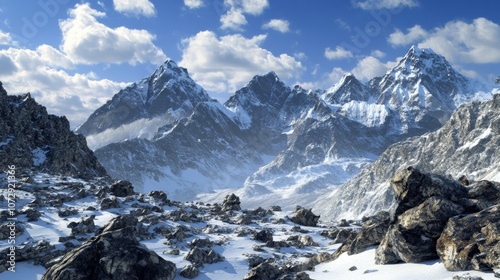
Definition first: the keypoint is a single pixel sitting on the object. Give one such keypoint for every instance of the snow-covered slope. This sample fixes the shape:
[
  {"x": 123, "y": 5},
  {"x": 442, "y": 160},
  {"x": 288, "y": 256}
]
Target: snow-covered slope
[{"x": 468, "y": 144}]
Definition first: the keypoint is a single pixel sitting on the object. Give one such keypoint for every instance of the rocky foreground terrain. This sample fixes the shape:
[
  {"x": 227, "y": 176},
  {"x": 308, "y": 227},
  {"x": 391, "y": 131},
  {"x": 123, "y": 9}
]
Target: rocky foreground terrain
[{"x": 102, "y": 229}]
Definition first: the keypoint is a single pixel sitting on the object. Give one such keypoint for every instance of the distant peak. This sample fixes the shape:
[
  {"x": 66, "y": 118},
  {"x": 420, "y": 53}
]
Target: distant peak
[
  {"x": 170, "y": 63},
  {"x": 271, "y": 74},
  {"x": 416, "y": 51}
]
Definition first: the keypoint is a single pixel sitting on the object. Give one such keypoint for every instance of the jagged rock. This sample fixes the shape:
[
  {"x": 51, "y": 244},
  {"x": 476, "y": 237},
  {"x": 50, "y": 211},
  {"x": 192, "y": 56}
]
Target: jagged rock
[
  {"x": 482, "y": 195},
  {"x": 32, "y": 214},
  {"x": 201, "y": 243},
  {"x": 412, "y": 188},
  {"x": 11, "y": 229},
  {"x": 372, "y": 233},
  {"x": 70, "y": 211},
  {"x": 86, "y": 225},
  {"x": 114, "y": 253},
  {"x": 159, "y": 195},
  {"x": 463, "y": 180},
  {"x": 340, "y": 235},
  {"x": 254, "y": 260},
  {"x": 109, "y": 202},
  {"x": 39, "y": 141},
  {"x": 471, "y": 242},
  {"x": 26, "y": 252},
  {"x": 429, "y": 218},
  {"x": 304, "y": 217},
  {"x": 300, "y": 241},
  {"x": 353, "y": 268},
  {"x": 231, "y": 202},
  {"x": 466, "y": 276},
  {"x": 198, "y": 256},
  {"x": 189, "y": 271},
  {"x": 400, "y": 244},
  {"x": 264, "y": 271},
  {"x": 264, "y": 235},
  {"x": 121, "y": 188}
]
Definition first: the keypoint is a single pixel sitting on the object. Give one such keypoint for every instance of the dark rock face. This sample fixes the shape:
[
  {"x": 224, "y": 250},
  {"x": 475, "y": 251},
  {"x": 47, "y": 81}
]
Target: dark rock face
[
  {"x": 122, "y": 188},
  {"x": 199, "y": 256},
  {"x": 438, "y": 217},
  {"x": 264, "y": 271},
  {"x": 189, "y": 271},
  {"x": 33, "y": 139},
  {"x": 425, "y": 202},
  {"x": 472, "y": 242},
  {"x": 231, "y": 202},
  {"x": 112, "y": 254},
  {"x": 304, "y": 217}
]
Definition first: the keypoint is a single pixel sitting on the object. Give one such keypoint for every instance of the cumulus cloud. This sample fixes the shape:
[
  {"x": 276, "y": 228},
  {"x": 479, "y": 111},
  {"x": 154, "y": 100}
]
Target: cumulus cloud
[
  {"x": 135, "y": 7},
  {"x": 458, "y": 41},
  {"x": 87, "y": 41},
  {"x": 370, "y": 67},
  {"x": 414, "y": 34},
  {"x": 280, "y": 25},
  {"x": 37, "y": 71},
  {"x": 6, "y": 39},
  {"x": 234, "y": 18},
  {"x": 225, "y": 64},
  {"x": 338, "y": 53},
  {"x": 384, "y": 4},
  {"x": 193, "y": 4}
]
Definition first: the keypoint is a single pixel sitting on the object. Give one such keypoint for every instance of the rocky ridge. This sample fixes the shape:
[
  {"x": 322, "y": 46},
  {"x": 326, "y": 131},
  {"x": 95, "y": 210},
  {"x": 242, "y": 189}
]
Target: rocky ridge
[
  {"x": 465, "y": 145},
  {"x": 32, "y": 139}
]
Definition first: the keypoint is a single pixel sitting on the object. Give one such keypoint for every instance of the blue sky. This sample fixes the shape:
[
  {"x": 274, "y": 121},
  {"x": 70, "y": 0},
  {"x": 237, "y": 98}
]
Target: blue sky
[{"x": 74, "y": 55}]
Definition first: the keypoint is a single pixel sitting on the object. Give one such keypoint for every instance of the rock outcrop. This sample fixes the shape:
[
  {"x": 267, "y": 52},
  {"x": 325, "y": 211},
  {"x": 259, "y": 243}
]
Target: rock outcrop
[
  {"x": 304, "y": 217},
  {"x": 435, "y": 216},
  {"x": 114, "y": 253},
  {"x": 31, "y": 139}
]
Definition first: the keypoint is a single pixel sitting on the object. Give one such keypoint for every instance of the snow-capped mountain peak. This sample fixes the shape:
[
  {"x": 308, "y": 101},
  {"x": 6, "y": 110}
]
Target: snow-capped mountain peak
[{"x": 348, "y": 88}]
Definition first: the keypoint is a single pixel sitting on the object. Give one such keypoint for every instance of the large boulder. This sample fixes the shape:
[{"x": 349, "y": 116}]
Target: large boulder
[
  {"x": 121, "y": 188},
  {"x": 472, "y": 242},
  {"x": 231, "y": 202},
  {"x": 425, "y": 202},
  {"x": 412, "y": 187},
  {"x": 114, "y": 253},
  {"x": 304, "y": 217}
]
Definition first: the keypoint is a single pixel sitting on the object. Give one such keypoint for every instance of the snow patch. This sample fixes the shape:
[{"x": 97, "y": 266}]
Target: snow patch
[
  {"x": 39, "y": 156},
  {"x": 371, "y": 115}
]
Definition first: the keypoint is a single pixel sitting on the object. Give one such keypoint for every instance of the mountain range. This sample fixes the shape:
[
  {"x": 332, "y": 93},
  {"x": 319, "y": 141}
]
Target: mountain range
[{"x": 269, "y": 141}]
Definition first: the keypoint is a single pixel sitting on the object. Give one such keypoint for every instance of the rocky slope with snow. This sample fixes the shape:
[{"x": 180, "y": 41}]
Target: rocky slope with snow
[
  {"x": 32, "y": 139},
  {"x": 466, "y": 145}
]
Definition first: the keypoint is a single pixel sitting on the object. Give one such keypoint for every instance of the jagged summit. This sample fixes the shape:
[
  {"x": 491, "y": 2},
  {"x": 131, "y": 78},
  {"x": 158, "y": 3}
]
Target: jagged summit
[
  {"x": 169, "y": 94},
  {"x": 348, "y": 88}
]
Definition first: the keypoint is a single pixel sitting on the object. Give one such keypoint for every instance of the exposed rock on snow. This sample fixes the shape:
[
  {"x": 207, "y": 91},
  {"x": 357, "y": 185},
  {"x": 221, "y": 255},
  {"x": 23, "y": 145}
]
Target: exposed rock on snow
[
  {"x": 304, "y": 217},
  {"x": 113, "y": 254}
]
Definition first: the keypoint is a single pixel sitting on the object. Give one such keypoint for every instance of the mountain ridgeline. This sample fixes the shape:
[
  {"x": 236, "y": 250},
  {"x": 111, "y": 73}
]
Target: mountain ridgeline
[
  {"x": 31, "y": 139},
  {"x": 268, "y": 141}
]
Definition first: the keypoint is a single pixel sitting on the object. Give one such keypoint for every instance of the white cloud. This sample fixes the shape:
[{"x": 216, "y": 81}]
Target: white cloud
[
  {"x": 227, "y": 63},
  {"x": 338, "y": 53},
  {"x": 73, "y": 95},
  {"x": 6, "y": 39},
  {"x": 135, "y": 7},
  {"x": 280, "y": 25},
  {"x": 378, "y": 54},
  {"x": 234, "y": 18},
  {"x": 370, "y": 67},
  {"x": 384, "y": 4},
  {"x": 459, "y": 41},
  {"x": 254, "y": 7},
  {"x": 193, "y": 4},
  {"x": 87, "y": 41},
  {"x": 414, "y": 34}
]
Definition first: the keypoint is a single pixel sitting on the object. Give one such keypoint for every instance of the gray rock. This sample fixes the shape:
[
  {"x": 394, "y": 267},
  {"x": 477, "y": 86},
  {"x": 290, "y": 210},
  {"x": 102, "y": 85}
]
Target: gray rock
[
  {"x": 11, "y": 229},
  {"x": 471, "y": 242},
  {"x": 189, "y": 271},
  {"x": 114, "y": 253},
  {"x": 121, "y": 188},
  {"x": 109, "y": 202},
  {"x": 231, "y": 202},
  {"x": 304, "y": 217},
  {"x": 198, "y": 256},
  {"x": 264, "y": 235},
  {"x": 264, "y": 271}
]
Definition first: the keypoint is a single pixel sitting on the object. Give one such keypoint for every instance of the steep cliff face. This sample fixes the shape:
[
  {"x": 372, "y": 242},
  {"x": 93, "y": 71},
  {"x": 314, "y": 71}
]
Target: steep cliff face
[
  {"x": 466, "y": 145},
  {"x": 31, "y": 139}
]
